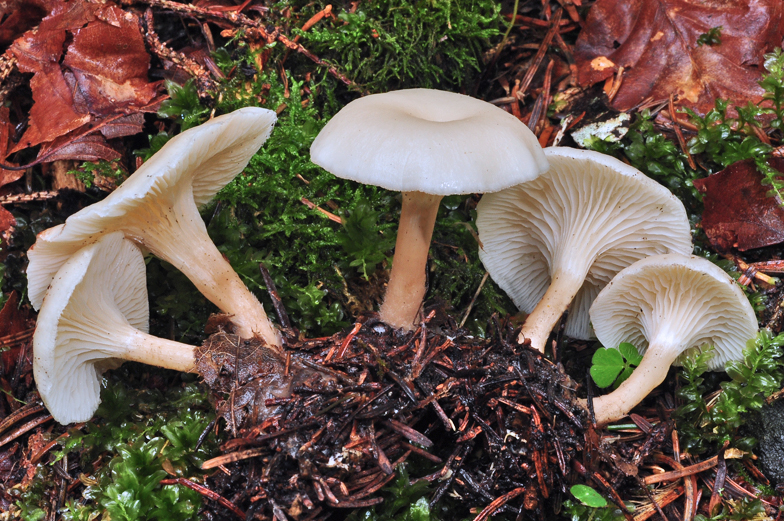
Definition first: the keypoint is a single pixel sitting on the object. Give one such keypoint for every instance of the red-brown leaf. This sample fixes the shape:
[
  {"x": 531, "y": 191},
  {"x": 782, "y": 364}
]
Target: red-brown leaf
[
  {"x": 13, "y": 320},
  {"x": 656, "y": 43},
  {"x": 109, "y": 64},
  {"x": 6, "y": 176},
  {"x": 53, "y": 113},
  {"x": 104, "y": 73},
  {"x": 18, "y": 16},
  {"x": 127, "y": 126},
  {"x": 92, "y": 147},
  {"x": 738, "y": 212}
]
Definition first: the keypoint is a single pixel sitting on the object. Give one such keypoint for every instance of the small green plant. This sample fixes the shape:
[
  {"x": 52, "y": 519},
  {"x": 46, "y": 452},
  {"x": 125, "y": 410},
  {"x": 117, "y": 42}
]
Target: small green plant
[
  {"x": 725, "y": 140},
  {"x": 773, "y": 83},
  {"x": 614, "y": 366},
  {"x": 588, "y": 496},
  {"x": 156, "y": 143},
  {"x": 403, "y": 501},
  {"x": 88, "y": 170},
  {"x": 711, "y": 38},
  {"x": 362, "y": 238},
  {"x": 704, "y": 426},
  {"x": 183, "y": 105},
  {"x": 655, "y": 155},
  {"x": 149, "y": 434},
  {"x": 578, "y": 511},
  {"x": 744, "y": 509}
]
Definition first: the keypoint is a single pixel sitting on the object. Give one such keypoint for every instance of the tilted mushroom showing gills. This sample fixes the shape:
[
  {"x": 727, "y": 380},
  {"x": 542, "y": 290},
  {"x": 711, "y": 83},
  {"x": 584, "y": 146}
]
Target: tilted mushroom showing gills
[
  {"x": 157, "y": 207},
  {"x": 666, "y": 305},
  {"x": 426, "y": 144},
  {"x": 94, "y": 316},
  {"x": 557, "y": 240}
]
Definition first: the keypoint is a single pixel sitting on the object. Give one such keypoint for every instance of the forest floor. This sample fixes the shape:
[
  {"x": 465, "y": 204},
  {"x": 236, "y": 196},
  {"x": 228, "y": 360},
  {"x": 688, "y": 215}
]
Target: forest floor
[{"x": 454, "y": 420}]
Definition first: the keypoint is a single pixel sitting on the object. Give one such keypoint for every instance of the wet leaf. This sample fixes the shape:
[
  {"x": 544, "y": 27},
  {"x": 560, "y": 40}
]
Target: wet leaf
[
  {"x": 6, "y": 176},
  {"x": 108, "y": 63},
  {"x": 18, "y": 16},
  {"x": 13, "y": 320},
  {"x": 656, "y": 42},
  {"x": 103, "y": 72},
  {"x": 92, "y": 147},
  {"x": 738, "y": 211},
  {"x": 588, "y": 496}
]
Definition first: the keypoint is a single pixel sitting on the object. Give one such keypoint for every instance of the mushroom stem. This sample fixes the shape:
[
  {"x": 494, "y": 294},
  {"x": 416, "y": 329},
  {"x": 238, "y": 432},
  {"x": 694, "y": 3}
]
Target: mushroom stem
[
  {"x": 649, "y": 374},
  {"x": 537, "y": 327},
  {"x": 160, "y": 352},
  {"x": 176, "y": 233},
  {"x": 406, "y": 287}
]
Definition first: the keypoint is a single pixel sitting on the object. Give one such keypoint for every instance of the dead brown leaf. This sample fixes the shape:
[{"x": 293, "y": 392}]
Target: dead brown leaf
[
  {"x": 655, "y": 41},
  {"x": 6, "y": 176},
  {"x": 738, "y": 212},
  {"x": 101, "y": 74},
  {"x": 92, "y": 147},
  {"x": 108, "y": 64},
  {"x": 13, "y": 320},
  {"x": 18, "y": 16}
]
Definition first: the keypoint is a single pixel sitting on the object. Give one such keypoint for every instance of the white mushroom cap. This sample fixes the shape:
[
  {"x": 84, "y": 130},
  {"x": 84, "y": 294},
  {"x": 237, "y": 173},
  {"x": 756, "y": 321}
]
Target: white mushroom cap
[
  {"x": 678, "y": 302},
  {"x": 666, "y": 306},
  {"x": 157, "y": 207},
  {"x": 95, "y": 315},
  {"x": 429, "y": 141},
  {"x": 579, "y": 224}
]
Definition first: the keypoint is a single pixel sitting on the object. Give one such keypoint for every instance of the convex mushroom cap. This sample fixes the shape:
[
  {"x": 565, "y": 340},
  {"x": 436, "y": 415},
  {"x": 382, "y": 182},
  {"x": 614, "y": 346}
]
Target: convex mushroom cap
[
  {"x": 157, "y": 207},
  {"x": 667, "y": 305},
  {"x": 426, "y": 144},
  {"x": 560, "y": 238},
  {"x": 94, "y": 316}
]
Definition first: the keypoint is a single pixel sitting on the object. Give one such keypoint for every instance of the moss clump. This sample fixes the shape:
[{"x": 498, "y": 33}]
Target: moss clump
[
  {"x": 150, "y": 435},
  {"x": 394, "y": 44}
]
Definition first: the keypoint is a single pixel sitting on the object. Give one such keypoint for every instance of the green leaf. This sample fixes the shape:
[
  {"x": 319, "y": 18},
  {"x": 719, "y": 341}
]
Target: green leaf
[
  {"x": 588, "y": 496},
  {"x": 630, "y": 353},
  {"x": 606, "y": 365}
]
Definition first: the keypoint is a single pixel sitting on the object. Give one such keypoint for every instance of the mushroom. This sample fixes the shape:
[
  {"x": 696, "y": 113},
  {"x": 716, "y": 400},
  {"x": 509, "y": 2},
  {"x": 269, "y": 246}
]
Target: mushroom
[
  {"x": 560, "y": 238},
  {"x": 94, "y": 316},
  {"x": 426, "y": 144},
  {"x": 668, "y": 306},
  {"x": 157, "y": 207}
]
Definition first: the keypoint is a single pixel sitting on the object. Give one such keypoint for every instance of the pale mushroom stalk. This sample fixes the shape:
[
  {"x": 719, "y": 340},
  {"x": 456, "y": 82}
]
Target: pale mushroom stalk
[
  {"x": 666, "y": 305},
  {"x": 212, "y": 275},
  {"x": 426, "y": 144},
  {"x": 131, "y": 345},
  {"x": 406, "y": 287},
  {"x": 647, "y": 376},
  {"x": 95, "y": 316},
  {"x": 158, "y": 208},
  {"x": 548, "y": 311},
  {"x": 553, "y": 242}
]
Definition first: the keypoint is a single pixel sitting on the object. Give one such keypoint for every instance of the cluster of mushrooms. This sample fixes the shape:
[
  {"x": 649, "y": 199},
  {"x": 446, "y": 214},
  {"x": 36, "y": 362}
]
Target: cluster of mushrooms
[{"x": 559, "y": 229}]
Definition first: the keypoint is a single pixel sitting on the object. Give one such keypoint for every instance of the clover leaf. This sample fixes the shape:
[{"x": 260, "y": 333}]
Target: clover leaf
[{"x": 613, "y": 366}]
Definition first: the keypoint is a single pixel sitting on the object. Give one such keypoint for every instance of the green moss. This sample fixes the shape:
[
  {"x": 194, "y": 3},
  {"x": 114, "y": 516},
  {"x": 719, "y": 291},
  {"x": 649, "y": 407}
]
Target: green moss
[
  {"x": 757, "y": 376},
  {"x": 393, "y": 44},
  {"x": 261, "y": 217},
  {"x": 147, "y": 433}
]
